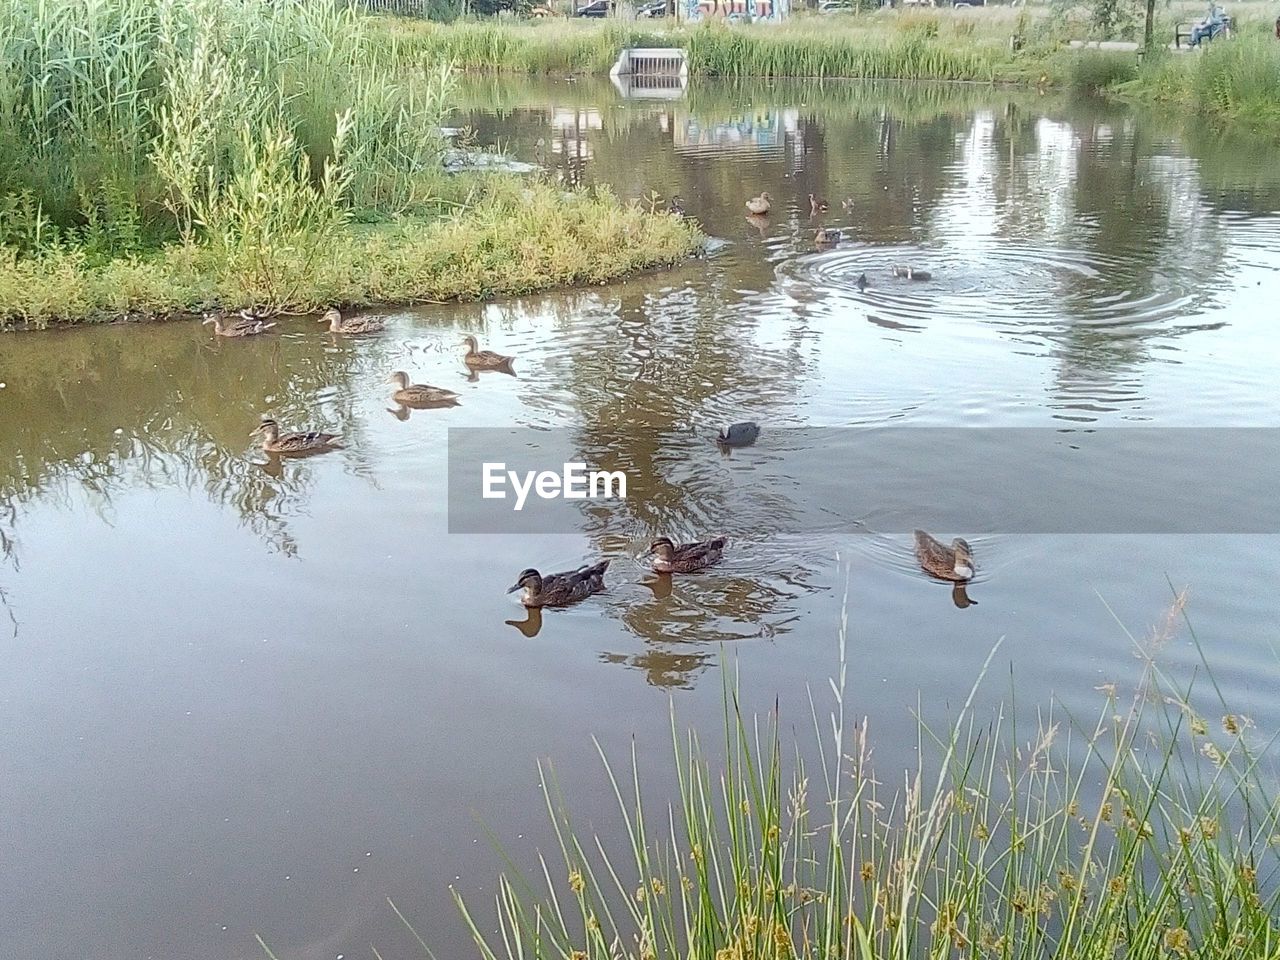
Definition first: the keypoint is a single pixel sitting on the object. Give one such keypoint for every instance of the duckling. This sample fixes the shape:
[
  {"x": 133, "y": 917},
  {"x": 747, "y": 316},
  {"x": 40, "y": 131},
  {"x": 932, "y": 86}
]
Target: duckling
[
  {"x": 827, "y": 237},
  {"x": 273, "y": 441},
  {"x": 846, "y": 204},
  {"x": 911, "y": 273},
  {"x": 478, "y": 359},
  {"x": 559, "y": 589},
  {"x": 817, "y": 205},
  {"x": 738, "y": 434},
  {"x": 687, "y": 557},
  {"x": 759, "y": 205},
  {"x": 418, "y": 394},
  {"x": 340, "y": 324},
  {"x": 240, "y": 327},
  {"x": 675, "y": 206},
  {"x": 954, "y": 563}
]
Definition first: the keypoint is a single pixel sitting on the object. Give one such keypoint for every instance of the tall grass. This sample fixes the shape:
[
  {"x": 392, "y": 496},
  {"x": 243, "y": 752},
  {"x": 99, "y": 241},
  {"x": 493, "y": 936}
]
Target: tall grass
[
  {"x": 1230, "y": 82},
  {"x": 907, "y": 48},
  {"x": 254, "y": 135},
  {"x": 114, "y": 113},
  {"x": 1149, "y": 833}
]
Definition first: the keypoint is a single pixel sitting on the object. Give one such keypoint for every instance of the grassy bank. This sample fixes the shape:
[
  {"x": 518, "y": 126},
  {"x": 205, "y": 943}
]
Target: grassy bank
[
  {"x": 160, "y": 158},
  {"x": 1237, "y": 82},
  {"x": 1230, "y": 81},
  {"x": 1147, "y": 833}
]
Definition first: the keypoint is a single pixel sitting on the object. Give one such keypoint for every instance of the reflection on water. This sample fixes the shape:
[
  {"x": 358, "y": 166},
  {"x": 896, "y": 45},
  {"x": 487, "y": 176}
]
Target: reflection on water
[{"x": 270, "y": 668}]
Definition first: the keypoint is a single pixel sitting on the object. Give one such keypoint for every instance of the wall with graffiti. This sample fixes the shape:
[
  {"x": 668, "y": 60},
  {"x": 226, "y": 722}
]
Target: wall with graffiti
[{"x": 736, "y": 9}]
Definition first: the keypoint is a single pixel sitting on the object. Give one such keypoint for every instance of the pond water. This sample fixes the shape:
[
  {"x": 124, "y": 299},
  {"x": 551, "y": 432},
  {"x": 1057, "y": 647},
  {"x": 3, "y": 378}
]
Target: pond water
[{"x": 242, "y": 696}]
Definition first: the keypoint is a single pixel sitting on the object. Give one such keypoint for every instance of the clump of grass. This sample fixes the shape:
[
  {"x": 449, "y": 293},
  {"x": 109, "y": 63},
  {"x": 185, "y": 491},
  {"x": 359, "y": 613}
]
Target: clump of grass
[
  {"x": 1097, "y": 71},
  {"x": 1148, "y": 834}
]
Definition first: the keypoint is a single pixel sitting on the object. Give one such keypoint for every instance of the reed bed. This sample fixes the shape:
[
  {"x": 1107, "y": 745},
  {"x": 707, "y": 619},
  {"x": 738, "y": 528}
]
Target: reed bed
[
  {"x": 161, "y": 156},
  {"x": 914, "y": 47},
  {"x": 1149, "y": 833}
]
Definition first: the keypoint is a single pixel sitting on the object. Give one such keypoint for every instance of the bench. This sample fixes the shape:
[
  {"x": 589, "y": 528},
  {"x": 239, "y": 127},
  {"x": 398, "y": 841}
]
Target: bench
[{"x": 1183, "y": 32}]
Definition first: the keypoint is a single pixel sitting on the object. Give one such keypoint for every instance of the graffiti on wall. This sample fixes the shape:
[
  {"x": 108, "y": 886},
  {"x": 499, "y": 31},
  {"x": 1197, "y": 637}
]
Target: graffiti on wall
[{"x": 736, "y": 9}]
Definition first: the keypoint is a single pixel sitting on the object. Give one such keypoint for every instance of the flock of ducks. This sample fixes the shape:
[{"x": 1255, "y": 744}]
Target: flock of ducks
[
  {"x": 952, "y": 563},
  {"x": 824, "y": 237},
  {"x": 418, "y": 396}
]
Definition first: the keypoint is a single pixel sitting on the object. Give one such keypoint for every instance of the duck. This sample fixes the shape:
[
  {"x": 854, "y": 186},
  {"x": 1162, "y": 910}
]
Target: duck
[
  {"x": 911, "y": 273},
  {"x": 243, "y": 326},
  {"x": 686, "y": 557},
  {"x": 953, "y": 563},
  {"x": 273, "y": 441},
  {"x": 846, "y": 204},
  {"x": 862, "y": 283},
  {"x": 818, "y": 205},
  {"x": 827, "y": 237},
  {"x": 478, "y": 359},
  {"x": 759, "y": 205},
  {"x": 419, "y": 394},
  {"x": 340, "y": 324},
  {"x": 738, "y": 434},
  {"x": 675, "y": 206},
  {"x": 559, "y": 589}
]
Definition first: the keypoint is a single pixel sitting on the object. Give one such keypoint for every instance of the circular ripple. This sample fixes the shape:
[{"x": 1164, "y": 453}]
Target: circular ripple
[{"x": 1017, "y": 284}]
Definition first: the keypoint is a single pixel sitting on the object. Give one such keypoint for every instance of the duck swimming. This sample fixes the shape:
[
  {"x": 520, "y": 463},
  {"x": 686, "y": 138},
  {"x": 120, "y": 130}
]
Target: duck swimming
[
  {"x": 911, "y": 273},
  {"x": 340, "y": 324},
  {"x": 559, "y": 589},
  {"x": 759, "y": 205},
  {"x": 244, "y": 326},
  {"x": 827, "y": 237},
  {"x": 675, "y": 206},
  {"x": 686, "y": 557},
  {"x": 738, "y": 434},
  {"x": 478, "y": 359},
  {"x": 418, "y": 394},
  {"x": 273, "y": 441},
  {"x": 953, "y": 563},
  {"x": 818, "y": 205},
  {"x": 861, "y": 283}
]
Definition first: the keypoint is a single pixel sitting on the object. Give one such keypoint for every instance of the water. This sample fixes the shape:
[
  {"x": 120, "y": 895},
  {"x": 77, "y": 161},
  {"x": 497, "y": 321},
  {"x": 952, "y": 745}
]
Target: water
[{"x": 247, "y": 697}]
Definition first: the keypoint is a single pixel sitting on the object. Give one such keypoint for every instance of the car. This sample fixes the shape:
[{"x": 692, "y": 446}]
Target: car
[
  {"x": 647, "y": 11},
  {"x": 596, "y": 8}
]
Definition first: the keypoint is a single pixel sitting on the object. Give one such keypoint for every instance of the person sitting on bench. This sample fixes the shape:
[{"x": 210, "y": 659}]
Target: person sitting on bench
[{"x": 1210, "y": 26}]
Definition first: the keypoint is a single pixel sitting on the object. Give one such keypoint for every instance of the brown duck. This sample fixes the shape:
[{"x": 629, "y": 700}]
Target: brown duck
[
  {"x": 559, "y": 589},
  {"x": 818, "y": 205},
  {"x": 827, "y": 237},
  {"x": 478, "y": 359},
  {"x": 246, "y": 325},
  {"x": 759, "y": 206},
  {"x": 340, "y": 324},
  {"x": 953, "y": 563},
  {"x": 418, "y": 394},
  {"x": 273, "y": 441},
  {"x": 686, "y": 557}
]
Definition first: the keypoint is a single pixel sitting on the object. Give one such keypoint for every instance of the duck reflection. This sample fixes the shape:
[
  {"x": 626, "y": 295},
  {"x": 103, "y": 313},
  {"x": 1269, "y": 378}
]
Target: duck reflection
[
  {"x": 531, "y": 624},
  {"x": 960, "y": 596}
]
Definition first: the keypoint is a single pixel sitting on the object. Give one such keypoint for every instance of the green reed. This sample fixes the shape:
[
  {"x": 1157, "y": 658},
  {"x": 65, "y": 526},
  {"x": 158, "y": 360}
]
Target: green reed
[{"x": 1148, "y": 833}]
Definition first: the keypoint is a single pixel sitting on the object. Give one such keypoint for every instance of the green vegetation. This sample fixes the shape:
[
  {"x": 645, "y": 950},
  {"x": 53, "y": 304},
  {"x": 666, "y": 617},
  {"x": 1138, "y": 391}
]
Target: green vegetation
[
  {"x": 160, "y": 158},
  {"x": 1148, "y": 834},
  {"x": 1238, "y": 81},
  {"x": 911, "y": 46},
  {"x": 1234, "y": 80}
]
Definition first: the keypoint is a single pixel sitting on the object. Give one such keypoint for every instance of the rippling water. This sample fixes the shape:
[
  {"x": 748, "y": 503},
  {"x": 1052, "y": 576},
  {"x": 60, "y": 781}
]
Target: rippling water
[{"x": 249, "y": 696}]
